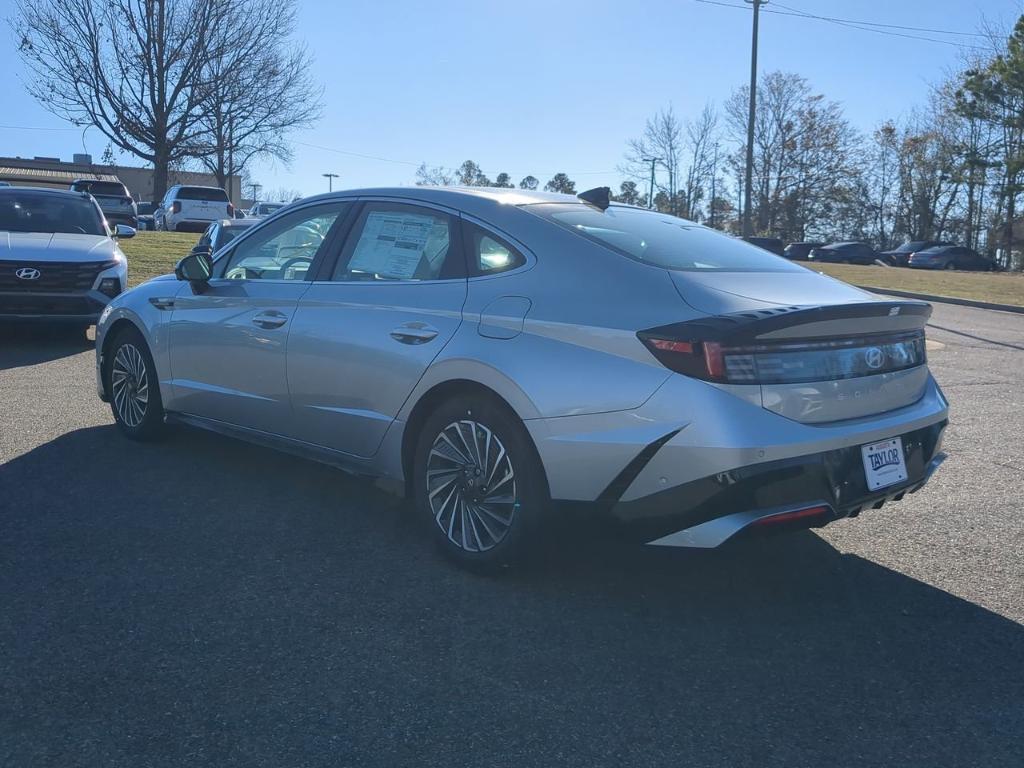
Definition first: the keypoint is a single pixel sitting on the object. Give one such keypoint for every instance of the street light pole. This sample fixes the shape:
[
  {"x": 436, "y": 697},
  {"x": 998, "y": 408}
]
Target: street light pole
[
  {"x": 255, "y": 188},
  {"x": 650, "y": 189},
  {"x": 748, "y": 181},
  {"x": 330, "y": 180}
]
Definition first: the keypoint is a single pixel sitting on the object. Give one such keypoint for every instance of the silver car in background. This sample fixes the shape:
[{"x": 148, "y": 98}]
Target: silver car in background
[{"x": 503, "y": 355}]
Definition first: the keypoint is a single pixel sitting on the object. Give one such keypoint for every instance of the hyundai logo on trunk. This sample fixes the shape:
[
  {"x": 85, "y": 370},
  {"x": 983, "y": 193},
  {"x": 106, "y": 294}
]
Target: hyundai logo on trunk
[
  {"x": 28, "y": 273},
  {"x": 874, "y": 357}
]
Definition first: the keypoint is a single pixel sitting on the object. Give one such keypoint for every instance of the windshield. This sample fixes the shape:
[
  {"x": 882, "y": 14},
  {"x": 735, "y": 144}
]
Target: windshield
[
  {"x": 44, "y": 212},
  {"x": 270, "y": 207},
  {"x": 101, "y": 188},
  {"x": 661, "y": 240},
  {"x": 202, "y": 193}
]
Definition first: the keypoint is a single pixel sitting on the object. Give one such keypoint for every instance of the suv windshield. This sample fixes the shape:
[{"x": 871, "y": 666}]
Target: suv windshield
[
  {"x": 202, "y": 193},
  {"x": 101, "y": 188},
  {"x": 27, "y": 211},
  {"x": 661, "y": 240}
]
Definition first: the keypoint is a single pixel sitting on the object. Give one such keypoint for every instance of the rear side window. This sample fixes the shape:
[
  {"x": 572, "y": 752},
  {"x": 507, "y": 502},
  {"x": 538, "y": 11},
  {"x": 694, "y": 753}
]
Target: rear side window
[
  {"x": 488, "y": 253},
  {"x": 661, "y": 240},
  {"x": 202, "y": 193},
  {"x": 395, "y": 241}
]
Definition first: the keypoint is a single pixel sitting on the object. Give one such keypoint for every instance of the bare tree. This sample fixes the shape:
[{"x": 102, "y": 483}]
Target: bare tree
[
  {"x": 436, "y": 176},
  {"x": 255, "y": 92},
  {"x": 662, "y": 139},
  {"x": 701, "y": 137},
  {"x": 135, "y": 69}
]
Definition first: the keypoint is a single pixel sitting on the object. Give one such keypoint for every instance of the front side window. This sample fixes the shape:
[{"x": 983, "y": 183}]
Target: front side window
[
  {"x": 394, "y": 241},
  {"x": 31, "y": 211},
  {"x": 662, "y": 240},
  {"x": 286, "y": 248}
]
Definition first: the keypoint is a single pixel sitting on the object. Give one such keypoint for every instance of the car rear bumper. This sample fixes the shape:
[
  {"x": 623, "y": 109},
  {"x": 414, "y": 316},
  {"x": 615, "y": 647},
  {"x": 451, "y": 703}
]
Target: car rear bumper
[
  {"x": 805, "y": 491},
  {"x": 122, "y": 218}
]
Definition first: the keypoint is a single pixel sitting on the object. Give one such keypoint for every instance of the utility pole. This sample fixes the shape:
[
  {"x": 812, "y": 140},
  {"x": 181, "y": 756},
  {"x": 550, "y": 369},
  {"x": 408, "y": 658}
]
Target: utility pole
[
  {"x": 330, "y": 180},
  {"x": 714, "y": 181},
  {"x": 650, "y": 189},
  {"x": 749, "y": 183}
]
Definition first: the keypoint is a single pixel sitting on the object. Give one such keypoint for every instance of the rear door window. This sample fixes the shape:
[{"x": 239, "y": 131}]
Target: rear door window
[{"x": 397, "y": 241}]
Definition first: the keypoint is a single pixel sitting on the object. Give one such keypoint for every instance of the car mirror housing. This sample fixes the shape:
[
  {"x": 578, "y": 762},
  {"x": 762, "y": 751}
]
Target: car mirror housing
[
  {"x": 196, "y": 268},
  {"x": 123, "y": 231}
]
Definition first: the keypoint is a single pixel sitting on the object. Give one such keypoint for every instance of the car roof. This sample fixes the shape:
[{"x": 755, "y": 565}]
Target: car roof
[{"x": 44, "y": 191}]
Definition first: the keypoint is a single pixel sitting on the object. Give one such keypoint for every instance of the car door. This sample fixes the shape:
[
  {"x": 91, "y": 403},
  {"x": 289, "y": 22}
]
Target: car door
[
  {"x": 364, "y": 335},
  {"x": 227, "y": 344}
]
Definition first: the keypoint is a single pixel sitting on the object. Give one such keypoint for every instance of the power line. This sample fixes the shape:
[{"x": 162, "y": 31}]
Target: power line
[
  {"x": 33, "y": 128},
  {"x": 863, "y": 26}
]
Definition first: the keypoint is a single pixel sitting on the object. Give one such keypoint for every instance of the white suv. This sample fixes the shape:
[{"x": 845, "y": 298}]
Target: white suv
[{"x": 187, "y": 208}]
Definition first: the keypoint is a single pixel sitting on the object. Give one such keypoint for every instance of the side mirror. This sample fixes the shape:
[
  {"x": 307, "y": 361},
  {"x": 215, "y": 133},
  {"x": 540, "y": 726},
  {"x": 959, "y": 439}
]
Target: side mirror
[
  {"x": 123, "y": 231},
  {"x": 196, "y": 268}
]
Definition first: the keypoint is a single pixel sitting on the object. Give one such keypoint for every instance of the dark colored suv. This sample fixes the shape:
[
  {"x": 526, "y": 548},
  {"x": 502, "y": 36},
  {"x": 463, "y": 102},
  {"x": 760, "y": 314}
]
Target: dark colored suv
[
  {"x": 772, "y": 244},
  {"x": 115, "y": 202},
  {"x": 844, "y": 253}
]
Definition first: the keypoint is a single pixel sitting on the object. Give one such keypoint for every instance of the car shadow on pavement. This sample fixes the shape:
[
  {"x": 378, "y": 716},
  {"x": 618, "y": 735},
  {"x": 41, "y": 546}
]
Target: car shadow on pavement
[
  {"x": 24, "y": 345},
  {"x": 202, "y": 601}
]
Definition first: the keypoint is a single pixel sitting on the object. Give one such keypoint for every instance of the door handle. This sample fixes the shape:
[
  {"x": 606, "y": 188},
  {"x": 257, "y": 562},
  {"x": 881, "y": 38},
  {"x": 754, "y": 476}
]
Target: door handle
[
  {"x": 414, "y": 333},
  {"x": 269, "y": 319}
]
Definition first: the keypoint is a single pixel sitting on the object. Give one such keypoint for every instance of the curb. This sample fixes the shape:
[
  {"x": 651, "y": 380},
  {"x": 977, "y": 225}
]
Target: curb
[{"x": 944, "y": 299}]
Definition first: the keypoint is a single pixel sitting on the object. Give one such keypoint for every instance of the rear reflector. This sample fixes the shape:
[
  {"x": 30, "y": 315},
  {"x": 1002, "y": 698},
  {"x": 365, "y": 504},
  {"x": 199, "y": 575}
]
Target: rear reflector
[{"x": 789, "y": 517}]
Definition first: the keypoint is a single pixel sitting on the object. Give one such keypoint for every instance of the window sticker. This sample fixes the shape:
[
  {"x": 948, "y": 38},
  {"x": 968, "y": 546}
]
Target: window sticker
[{"x": 401, "y": 246}]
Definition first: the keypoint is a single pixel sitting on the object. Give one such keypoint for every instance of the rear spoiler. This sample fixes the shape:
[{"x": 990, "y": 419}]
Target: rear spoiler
[{"x": 804, "y": 323}]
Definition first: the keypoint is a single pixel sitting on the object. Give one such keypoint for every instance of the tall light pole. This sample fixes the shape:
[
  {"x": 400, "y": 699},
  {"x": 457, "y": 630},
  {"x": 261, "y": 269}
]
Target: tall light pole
[
  {"x": 255, "y": 188},
  {"x": 748, "y": 185},
  {"x": 330, "y": 180},
  {"x": 650, "y": 189}
]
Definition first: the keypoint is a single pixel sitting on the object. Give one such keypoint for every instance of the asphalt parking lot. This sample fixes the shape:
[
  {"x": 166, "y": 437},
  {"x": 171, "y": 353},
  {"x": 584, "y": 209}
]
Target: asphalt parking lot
[{"x": 204, "y": 602}]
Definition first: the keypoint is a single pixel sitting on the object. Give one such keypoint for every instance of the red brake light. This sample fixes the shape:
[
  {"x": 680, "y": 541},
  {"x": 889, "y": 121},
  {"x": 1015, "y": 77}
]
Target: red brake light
[
  {"x": 176, "y": 206},
  {"x": 788, "y": 517}
]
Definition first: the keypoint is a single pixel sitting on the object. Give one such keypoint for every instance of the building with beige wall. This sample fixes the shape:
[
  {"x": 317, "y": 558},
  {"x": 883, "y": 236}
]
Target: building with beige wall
[{"x": 54, "y": 173}]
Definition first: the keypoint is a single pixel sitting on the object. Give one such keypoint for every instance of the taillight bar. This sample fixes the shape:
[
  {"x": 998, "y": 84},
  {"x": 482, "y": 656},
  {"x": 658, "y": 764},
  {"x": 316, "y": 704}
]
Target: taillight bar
[{"x": 788, "y": 362}]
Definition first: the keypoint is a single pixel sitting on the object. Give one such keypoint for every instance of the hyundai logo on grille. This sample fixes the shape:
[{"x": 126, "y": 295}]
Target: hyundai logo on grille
[
  {"x": 28, "y": 273},
  {"x": 874, "y": 357}
]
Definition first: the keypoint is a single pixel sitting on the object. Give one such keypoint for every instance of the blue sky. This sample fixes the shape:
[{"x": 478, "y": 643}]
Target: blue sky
[{"x": 534, "y": 87}]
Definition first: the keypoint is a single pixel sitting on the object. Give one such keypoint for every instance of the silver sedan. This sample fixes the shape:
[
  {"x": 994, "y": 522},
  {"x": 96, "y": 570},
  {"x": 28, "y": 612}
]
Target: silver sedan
[{"x": 502, "y": 356}]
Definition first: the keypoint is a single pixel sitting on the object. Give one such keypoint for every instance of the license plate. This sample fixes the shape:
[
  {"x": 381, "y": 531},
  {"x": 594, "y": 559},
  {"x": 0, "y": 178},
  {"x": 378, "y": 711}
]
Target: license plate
[{"x": 883, "y": 463}]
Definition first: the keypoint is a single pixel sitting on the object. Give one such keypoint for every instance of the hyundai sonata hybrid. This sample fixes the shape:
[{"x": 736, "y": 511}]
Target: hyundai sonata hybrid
[{"x": 505, "y": 356}]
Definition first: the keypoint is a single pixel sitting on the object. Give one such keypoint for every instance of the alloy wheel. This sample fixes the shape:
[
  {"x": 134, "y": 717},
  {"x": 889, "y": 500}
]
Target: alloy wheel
[
  {"x": 471, "y": 486},
  {"x": 130, "y": 384}
]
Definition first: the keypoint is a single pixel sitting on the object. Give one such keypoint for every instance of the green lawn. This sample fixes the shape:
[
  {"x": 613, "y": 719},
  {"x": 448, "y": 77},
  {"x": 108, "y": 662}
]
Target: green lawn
[
  {"x": 997, "y": 287},
  {"x": 155, "y": 253}
]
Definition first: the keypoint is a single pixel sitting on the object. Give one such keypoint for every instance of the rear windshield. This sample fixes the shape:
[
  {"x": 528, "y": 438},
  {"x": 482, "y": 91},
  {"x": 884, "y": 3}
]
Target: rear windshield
[
  {"x": 40, "y": 212},
  {"x": 101, "y": 188},
  {"x": 270, "y": 207},
  {"x": 203, "y": 193},
  {"x": 661, "y": 240}
]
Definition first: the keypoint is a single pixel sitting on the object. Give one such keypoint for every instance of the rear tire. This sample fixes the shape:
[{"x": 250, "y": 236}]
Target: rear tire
[
  {"x": 133, "y": 386},
  {"x": 950, "y": 265},
  {"x": 478, "y": 483}
]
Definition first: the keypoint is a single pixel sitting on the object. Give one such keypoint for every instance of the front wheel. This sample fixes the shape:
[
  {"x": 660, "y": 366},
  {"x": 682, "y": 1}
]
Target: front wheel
[
  {"x": 133, "y": 387},
  {"x": 950, "y": 265},
  {"x": 478, "y": 482}
]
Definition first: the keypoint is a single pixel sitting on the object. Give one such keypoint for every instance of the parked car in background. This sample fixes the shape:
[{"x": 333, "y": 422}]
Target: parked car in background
[
  {"x": 843, "y": 253},
  {"x": 58, "y": 260},
  {"x": 951, "y": 257},
  {"x": 113, "y": 198},
  {"x": 192, "y": 209},
  {"x": 220, "y": 233},
  {"x": 799, "y": 251},
  {"x": 898, "y": 257},
  {"x": 259, "y": 210},
  {"x": 5, "y": 183},
  {"x": 771, "y": 244},
  {"x": 145, "y": 216},
  {"x": 689, "y": 386}
]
